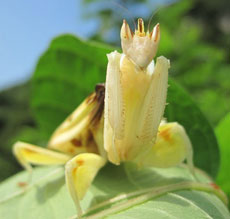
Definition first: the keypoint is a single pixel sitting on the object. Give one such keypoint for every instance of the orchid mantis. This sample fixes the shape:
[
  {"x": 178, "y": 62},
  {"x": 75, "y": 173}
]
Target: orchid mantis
[{"x": 121, "y": 121}]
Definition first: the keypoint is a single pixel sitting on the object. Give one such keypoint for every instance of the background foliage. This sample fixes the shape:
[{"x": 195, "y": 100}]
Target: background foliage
[{"x": 195, "y": 38}]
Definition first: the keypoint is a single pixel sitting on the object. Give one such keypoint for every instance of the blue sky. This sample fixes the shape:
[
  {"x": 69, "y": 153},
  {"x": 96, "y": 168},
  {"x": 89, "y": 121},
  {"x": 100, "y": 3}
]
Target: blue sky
[{"x": 27, "y": 27}]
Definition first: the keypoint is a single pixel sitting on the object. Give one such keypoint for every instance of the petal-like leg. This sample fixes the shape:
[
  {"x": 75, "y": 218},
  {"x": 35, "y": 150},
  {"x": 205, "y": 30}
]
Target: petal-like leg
[
  {"x": 80, "y": 172},
  {"x": 172, "y": 147},
  {"x": 28, "y": 154},
  {"x": 113, "y": 95},
  {"x": 76, "y": 134},
  {"x": 154, "y": 102},
  {"x": 114, "y": 107}
]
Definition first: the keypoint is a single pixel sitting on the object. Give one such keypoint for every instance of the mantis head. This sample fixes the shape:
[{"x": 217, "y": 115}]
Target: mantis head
[{"x": 140, "y": 46}]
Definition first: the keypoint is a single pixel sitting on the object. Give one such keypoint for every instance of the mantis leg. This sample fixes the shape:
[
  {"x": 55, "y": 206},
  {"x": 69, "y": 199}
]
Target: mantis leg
[
  {"x": 80, "y": 172},
  {"x": 28, "y": 154},
  {"x": 171, "y": 148}
]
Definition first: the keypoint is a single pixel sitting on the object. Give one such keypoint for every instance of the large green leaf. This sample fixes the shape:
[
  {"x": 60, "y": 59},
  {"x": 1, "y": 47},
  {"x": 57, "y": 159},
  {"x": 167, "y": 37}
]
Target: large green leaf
[
  {"x": 223, "y": 136},
  {"x": 183, "y": 109},
  {"x": 68, "y": 71},
  {"x": 47, "y": 196}
]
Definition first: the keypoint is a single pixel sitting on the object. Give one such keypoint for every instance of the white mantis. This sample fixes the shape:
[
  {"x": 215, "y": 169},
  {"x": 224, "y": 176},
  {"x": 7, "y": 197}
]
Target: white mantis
[{"x": 122, "y": 121}]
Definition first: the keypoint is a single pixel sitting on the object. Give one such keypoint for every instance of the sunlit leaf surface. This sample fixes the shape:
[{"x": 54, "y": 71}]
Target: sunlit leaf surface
[{"x": 47, "y": 196}]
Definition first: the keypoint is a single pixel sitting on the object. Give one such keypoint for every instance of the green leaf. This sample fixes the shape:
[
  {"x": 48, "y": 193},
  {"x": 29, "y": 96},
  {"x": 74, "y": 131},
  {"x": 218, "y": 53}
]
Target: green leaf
[
  {"x": 222, "y": 132},
  {"x": 69, "y": 70},
  {"x": 65, "y": 74},
  {"x": 47, "y": 196},
  {"x": 183, "y": 109}
]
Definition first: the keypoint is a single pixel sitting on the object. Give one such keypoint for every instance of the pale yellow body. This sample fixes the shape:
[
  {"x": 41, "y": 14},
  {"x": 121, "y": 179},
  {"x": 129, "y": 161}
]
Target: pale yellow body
[{"x": 127, "y": 128}]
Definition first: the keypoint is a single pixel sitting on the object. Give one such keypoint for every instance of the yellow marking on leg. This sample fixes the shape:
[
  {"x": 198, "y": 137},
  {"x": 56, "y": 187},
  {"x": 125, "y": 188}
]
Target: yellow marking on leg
[
  {"x": 166, "y": 135},
  {"x": 171, "y": 148}
]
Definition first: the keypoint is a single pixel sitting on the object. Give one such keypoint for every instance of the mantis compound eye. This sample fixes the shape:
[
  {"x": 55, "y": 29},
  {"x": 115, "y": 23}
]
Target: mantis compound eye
[{"x": 140, "y": 46}]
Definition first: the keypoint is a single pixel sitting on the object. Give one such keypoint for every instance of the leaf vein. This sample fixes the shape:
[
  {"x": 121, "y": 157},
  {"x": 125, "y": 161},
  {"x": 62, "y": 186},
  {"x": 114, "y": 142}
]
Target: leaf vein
[{"x": 191, "y": 203}]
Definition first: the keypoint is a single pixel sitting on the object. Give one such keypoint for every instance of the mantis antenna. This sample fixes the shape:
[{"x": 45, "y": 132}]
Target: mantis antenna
[
  {"x": 151, "y": 18},
  {"x": 156, "y": 11},
  {"x": 126, "y": 10}
]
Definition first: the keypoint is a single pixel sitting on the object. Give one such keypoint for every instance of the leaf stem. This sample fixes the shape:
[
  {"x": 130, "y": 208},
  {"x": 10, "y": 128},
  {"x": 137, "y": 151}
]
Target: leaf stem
[{"x": 147, "y": 194}]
